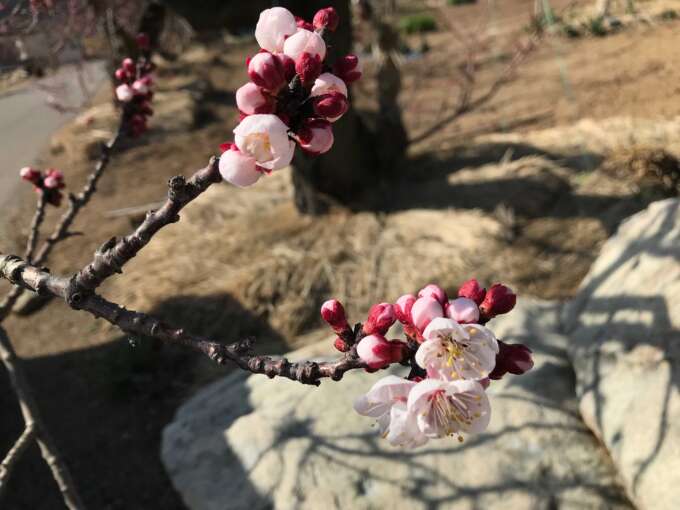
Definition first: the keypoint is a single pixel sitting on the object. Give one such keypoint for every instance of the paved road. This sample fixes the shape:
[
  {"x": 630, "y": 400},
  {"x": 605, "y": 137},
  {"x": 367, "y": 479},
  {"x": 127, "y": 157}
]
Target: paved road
[{"x": 27, "y": 121}]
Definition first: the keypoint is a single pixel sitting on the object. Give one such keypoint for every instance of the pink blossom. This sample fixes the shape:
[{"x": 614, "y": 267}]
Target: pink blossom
[
  {"x": 315, "y": 136},
  {"x": 386, "y": 403},
  {"x": 238, "y": 169},
  {"x": 266, "y": 71},
  {"x": 402, "y": 308},
  {"x": 454, "y": 351},
  {"x": 304, "y": 41},
  {"x": 265, "y": 138},
  {"x": 273, "y": 26},
  {"x": 327, "y": 83},
  {"x": 378, "y": 352},
  {"x": 124, "y": 93},
  {"x": 326, "y": 18},
  {"x": 463, "y": 310},
  {"x": 380, "y": 319},
  {"x": 445, "y": 408},
  {"x": 250, "y": 100},
  {"x": 140, "y": 87},
  {"x": 424, "y": 310}
]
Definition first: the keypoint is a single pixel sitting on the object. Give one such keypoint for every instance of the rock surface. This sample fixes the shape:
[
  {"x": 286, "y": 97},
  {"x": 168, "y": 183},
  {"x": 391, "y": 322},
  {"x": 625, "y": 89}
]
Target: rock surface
[
  {"x": 624, "y": 329},
  {"x": 252, "y": 443}
]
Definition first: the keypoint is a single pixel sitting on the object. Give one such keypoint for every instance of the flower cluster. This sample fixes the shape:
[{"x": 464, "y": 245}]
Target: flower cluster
[
  {"x": 452, "y": 355},
  {"x": 49, "y": 183},
  {"x": 293, "y": 96},
  {"x": 134, "y": 90}
]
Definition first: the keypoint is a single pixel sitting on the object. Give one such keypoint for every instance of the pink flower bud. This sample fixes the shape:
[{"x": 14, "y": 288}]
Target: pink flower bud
[
  {"x": 308, "y": 67},
  {"x": 326, "y": 18},
  {"x": 347, "y": 68},
  {"x": 288, "y": 65},
  {"x": 143, "y": 41},
  {"x": 302, "y": 23},
  {"x": 129, "y": 66},
  {"x": 124, "y": 93},
  {"x": 513, "y": 358},
  {"x": 29, "y": 174},
  {"x": 377, "y": 352},
  {"x": 327, "y": 83},
  {"x": 272, "y": 28},
  {"x": 333, "y": 313},
  {"x": 304, "y": 41},
  {"x": 266, "y": 71},
  {"x": 140, "y": 87},
  {"x": 315, "y": 136},
  {"x": 402, "y": 308},
  {"x": 237, "y": 168},
  {"x": 424, "y": 310},
  {"x": 471, "y": 290},
  {"x": 463, "y": 311},
  {"x": 434, "y": 291},
  {"x": 331, "y": 106},
  {"x": 250, "y": 100},
  {"x": 499, "y": 299},
  {"x": 341, "y": 345},
  {"x": 121, "y": 75},
  {"x": 380, "y": 319}
]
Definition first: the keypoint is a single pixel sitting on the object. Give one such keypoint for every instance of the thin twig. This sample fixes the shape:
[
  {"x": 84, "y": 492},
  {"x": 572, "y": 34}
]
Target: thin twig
[
  {"x": 76, "y": 203},
  {"x": 38, "y": 218},
  {"x": 13, "y": 456},
  {"x": 33, "y": 420}
]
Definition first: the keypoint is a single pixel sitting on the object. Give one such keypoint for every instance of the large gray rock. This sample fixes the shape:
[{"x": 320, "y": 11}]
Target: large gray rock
[
  {"x": 253, "y": 443},
  {"x": 624, "y": 329}
]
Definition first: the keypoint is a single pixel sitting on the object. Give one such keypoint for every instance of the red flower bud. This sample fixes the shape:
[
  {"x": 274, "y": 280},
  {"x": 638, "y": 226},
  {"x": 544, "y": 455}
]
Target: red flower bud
[
  {"x": 129, "y": 66},
  {"x": 308, "y": 66},
  {"x": 302, "y": 23},
  {"x": 143, "y": 41},
  {"x": 266, "y": 71},
  {"x": 30, "y": 174},
  {"x": 331, "y": 105},
  {"x": 288, "y": 65},
  {"x": 402, "y": 308},
  {"x": 315, "y": 136},
  {"x": 471, "y": 290},
  {"x": 121, "y": 74},
  {"x": 347, "y": 68},
  {"x": 434, "y": 291},
  {"x": 341, "y": 345},
  {"x": 333, "y": 313},
  {"x": 499, "y": 299},
  {"x": 513, "y": 358},
  {"x": 377, "y": 352},
  {"x": 326, "y": 18},
  {"x": 380, "y": 319}
]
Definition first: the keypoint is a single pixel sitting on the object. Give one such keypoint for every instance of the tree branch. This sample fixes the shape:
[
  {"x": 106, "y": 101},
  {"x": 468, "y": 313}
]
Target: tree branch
[
  {"x": 33, "y": 420},
  {"x": 13, "y": 456},
  {"x": 37, "y": 221}
]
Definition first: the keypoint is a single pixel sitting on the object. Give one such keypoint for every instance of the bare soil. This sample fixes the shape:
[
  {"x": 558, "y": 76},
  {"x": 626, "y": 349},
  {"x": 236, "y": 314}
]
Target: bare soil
[{"x": 239, "y": 264}]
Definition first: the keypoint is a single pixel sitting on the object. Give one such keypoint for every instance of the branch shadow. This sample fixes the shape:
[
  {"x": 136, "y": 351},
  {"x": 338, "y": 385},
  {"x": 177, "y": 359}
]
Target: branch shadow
[{"x": 106, "y": 407}]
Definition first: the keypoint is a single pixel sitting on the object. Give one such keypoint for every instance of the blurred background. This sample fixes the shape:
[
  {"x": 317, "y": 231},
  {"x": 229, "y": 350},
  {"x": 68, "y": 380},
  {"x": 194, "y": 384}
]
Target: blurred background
[{"x": 506, "y": 140}]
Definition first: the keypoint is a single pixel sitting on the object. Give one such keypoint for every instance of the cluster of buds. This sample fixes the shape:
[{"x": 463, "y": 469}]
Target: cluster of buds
[
  {"x": 293, "y": 97},
  {"x": 452, "y": 354},
  {"x": 49, "y": 183},
  {"x": 134, "y": 89}
]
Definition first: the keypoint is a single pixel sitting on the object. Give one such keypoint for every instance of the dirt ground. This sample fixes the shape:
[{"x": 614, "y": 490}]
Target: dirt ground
[{"x": 106, "y": 403}]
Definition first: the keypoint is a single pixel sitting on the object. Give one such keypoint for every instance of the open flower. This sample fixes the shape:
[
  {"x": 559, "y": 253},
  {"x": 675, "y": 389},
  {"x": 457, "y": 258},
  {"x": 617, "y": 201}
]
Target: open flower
[
  {"x": 273, "y": 26},
  {"x": 264, "y": 137},
  {"x": 386, "y": 402},
  {"x": 445, "y": 408},
  {"x": 454, "y": 351}
]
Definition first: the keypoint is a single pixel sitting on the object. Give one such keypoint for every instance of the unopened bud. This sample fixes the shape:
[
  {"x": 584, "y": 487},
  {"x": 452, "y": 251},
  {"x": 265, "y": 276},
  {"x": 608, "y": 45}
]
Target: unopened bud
[
  {"x": 30, "y": 174},
  {"x": 326, "y": 18},
  {"x": 331, "y": 106},
  {"x": 333, "y": 313},
  {"x": 513, "y": 358},
  {"x": 143, "y": 41},
  {"x": 341, "y": 345},
  {"x": 380, "y": 319},
  {"x": 434, "y": 291},
  {"x": 266, "y": 71},
  {"x": 499, "y": 299},
  {"x": 463, "y": 311},
  {"x": 402, "y": 308},
  {"x": 128, "y": 65},
  {"x": 377, "y": 352},
  {"x": 471, "y": 290},
  {"x": 308, "y": 66},
  {"x": 347, "y": 68}
]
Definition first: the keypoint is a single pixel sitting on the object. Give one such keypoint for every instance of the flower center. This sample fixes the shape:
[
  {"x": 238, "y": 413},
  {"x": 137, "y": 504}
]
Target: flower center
[
  {"x": 258, "y": 146},
  {"x": 449, "y": 414}
]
